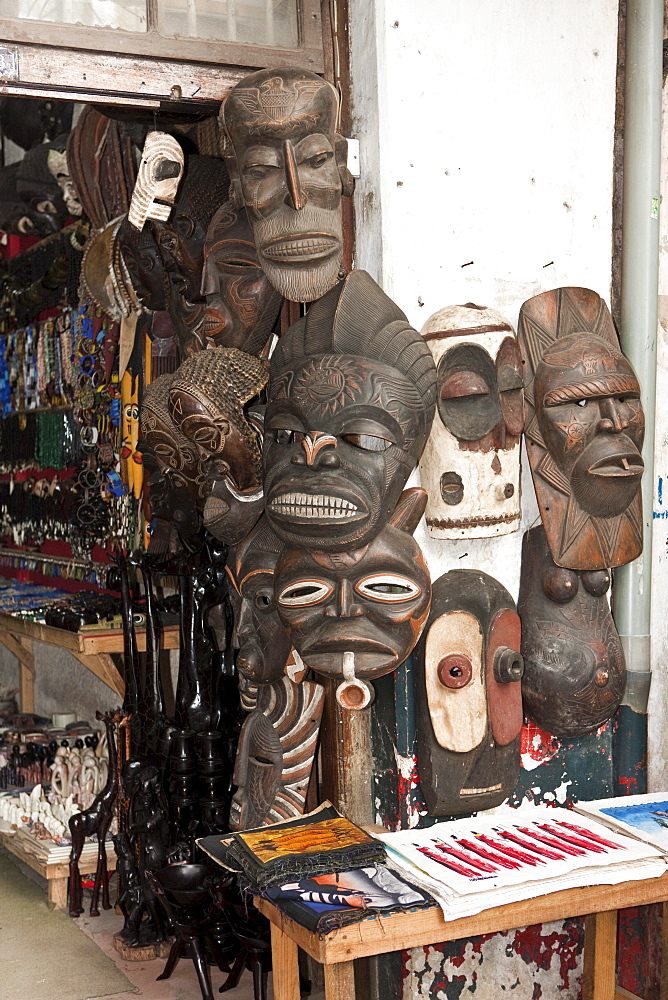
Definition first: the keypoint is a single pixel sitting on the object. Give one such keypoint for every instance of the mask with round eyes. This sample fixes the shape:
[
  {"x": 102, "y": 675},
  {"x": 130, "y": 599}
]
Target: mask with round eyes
[
  {"x": 585, "y": 430},
  {"x": 275, "y": 754},
  {"x": 358, "y": 615},
  {"x": 467, "y": 669},
  {"x": 241, "y": 304},
  {"x": 470, "y": 466},
  {"x": 575, "y": 672},
  {"x": 289, "y": 169},
  {"x": 350, "y": 402}
]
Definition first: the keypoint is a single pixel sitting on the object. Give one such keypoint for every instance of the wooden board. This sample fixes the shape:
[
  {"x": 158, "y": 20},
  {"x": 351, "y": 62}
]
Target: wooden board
[
  {"x": 400, "y": 931},
  {"x": 103, "y": 641}
]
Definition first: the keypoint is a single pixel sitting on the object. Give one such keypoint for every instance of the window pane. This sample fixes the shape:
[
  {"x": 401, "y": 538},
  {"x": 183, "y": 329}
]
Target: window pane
[
  {"x": 260, "y": 22},
  {"x": 127, "y": 14}
]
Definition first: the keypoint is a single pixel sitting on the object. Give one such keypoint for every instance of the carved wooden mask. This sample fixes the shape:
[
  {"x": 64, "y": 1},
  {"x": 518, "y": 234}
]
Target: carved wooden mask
[
  {"x": 350, "y": 404},
  {"x": 143, "y": 261},
  {"x": 275, "y": 754},
  {"x": 468, "y": 699},
  {"x": 471, "y": 463},
  {"x": 585, "y": 428},
  {"x": 160, "y": 171},
  {"x": 241, "y": 304},
  {"x": 229, "y": 514},
  {"x": 574, "y": 663},
  {"x": 289, "y": 169},
  {"x": 260, "y": 636},
  {"x": 358, "y": 614}
]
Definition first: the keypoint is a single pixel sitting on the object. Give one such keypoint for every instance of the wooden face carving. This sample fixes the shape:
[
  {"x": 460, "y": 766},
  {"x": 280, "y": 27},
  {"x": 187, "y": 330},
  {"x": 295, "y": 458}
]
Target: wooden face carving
[
  {"x": 585, "y": 428},
  {"x": 160, "y": 171},
  {"x": 364, "y": 608},
  {"x": 467, "y": 675},
  {"x": 144, "y": 265},
  {"x": 471, "y": 462},
  {"x": 343, "y": 431},
  {"x": 288, "y": 169},
  {"x": 275, "y": 754},
  {"x": 241, "y": 304},
  {"x": 260, "y": 636},
  {"x": 575, "y": 672}
]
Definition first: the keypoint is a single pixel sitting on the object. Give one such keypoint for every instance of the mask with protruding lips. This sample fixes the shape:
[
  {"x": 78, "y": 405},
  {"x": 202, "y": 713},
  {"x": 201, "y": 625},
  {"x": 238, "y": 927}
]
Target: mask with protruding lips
[
  {"x": 289, "y": 169},
  {"x": 467, "y": 669},
  {"x": 366, "y": 605},
  {"x": 350, "y": 403}
]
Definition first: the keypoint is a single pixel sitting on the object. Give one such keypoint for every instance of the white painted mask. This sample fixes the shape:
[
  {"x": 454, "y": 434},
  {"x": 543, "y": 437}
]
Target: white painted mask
[
  {"x": 470, "y": 466},
  {"x": 158, "y": 179}
]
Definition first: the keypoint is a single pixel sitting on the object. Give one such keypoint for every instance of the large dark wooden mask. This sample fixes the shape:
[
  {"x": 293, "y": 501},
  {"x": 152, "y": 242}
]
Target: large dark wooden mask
[
  {"x": 468, "y": 699},
  {"x": 260, "y": 636},
  {"x": 144, "y": 264},
  {"x": 471, "y": 463},
  {"x": 289, "y": 168},
  {"x": 241, "y": 304},
  {"x": 350, "y": 404},
  {"x": 574, "y": 663},
  {"x": 585, "y": 428},
  {"x": 275, "y": 754},
  {"x": 357, "y": 615}
]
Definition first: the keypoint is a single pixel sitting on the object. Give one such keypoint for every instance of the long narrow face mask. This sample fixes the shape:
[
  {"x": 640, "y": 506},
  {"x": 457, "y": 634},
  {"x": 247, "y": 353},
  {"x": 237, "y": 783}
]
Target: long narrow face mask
[
  {"x": 470, "y": 466},
  {"x": 160, "y": 171},
  {"x": 468, "y": 700}
]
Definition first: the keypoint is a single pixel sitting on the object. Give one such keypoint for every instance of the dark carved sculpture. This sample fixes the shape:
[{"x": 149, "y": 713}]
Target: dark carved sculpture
[
  {"x": 140, "y": 909},
  {"x": 261, "y": 638},
  {"x": 145, "y": 266},
  {"x": 173, "y": 454},
  {"x": 470, "y": 466},
  {"x": 275, "y": 754},
  {"x": 468, "y": 700},
  {"x": 574, "y": 662},
  {"x": 241, "y": 304},
  {"x": 101, "y": 165},
  {"x": 289, "y": 168},
  {"x": 351, "y": 401},
  {"x": 585, "y": 428},
  {"x": 357, "y": 615}
]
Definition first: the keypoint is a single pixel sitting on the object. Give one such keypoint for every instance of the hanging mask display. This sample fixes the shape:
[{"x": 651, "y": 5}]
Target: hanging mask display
[
  {"x": 59, "y": 170},
  {"x": 357, "y": 615},
  {"x": 144, "y": 265},
  {"x": 230, "y": 514},
  {"x": 275, "y": 753},
  {"x": 241, "y": 304},
  {"x": 288, "y": 167},
  {"x": 470, "y": 466},
  {"x": 585, "y": 428},
  {"x": 468, "y": 667},
  {"x": 158, "y": 177},
  {"x": 259, "y": 635},
  {"x": 575, "y": 673},
  {"x": 350, "y": 403}
]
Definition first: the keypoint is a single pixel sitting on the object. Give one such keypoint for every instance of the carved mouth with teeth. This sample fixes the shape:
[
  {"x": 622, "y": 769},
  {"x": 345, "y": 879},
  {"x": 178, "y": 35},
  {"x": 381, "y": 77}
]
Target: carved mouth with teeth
[
  {"x": 308, "y": 246},
  {"x": 314, "y": 507}
]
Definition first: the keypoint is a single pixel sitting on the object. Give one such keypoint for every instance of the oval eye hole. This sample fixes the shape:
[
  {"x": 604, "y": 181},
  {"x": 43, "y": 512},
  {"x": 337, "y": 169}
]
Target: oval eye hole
[
  {"x": 367, "y": 442},
  {"x": 282, "y": 436},
  {"x": 461, "y": 384},
  {"x": 389, "y": 588},
  {"x": 304, "y": 593},
  {"x": 581, "y": 402}
]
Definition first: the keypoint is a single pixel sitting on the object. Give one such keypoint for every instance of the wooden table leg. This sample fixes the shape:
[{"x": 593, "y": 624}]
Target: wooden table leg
[
  {"x": 600, "y": 956},
  {"x": 339, "y": 981},
  {"x": 58, "y": 892},
  {"x": 285, "y": 965}
]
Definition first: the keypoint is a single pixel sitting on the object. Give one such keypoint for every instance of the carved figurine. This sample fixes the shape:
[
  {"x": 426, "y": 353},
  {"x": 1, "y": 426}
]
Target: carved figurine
[
  {"x": 241, "y": 304},
  {"x": 585, "y": 428},
  {"x": 160, "y": 171},
  {"x": 470, "y": 466},
  {"x": 351, "y": 401},
  {"x": 575, "y": 673},
  {"x": 142, "y": 915},
  {"x": 287, "y": 165},
  {"x": 275, "y": 754},
  {"x": 357, "y": 615},
  {"x": 468, "y": 668}
]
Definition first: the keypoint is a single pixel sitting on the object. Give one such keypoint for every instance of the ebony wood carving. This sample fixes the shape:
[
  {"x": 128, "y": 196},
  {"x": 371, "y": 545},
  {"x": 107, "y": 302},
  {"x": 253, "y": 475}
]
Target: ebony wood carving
[
  {"x": 575, "y": 673},
  {"x": 585, "y": 428},
  {"x": 468, "y": 701},
  {"x": 470, "y": 466},
  {"x": 350, "y": 403},
  {"x": 287, "y": 165}
]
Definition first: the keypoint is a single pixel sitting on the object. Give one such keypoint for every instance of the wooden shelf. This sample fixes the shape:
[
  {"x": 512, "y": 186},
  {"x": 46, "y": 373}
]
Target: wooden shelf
[{"x": 88, "y": 642}]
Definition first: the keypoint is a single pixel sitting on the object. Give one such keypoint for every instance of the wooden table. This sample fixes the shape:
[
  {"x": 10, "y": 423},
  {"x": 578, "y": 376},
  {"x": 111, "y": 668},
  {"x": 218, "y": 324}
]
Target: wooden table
[
  {"x": 400, "y": 931},
  {"x": 93, "y": 648}
]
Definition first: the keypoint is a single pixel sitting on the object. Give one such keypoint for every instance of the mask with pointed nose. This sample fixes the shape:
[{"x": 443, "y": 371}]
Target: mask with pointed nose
[
  {"x": 364, "y": 608},
  {"x": 287, "y": 164},
  {"x": 350, "y": 403},
  {"x": 585, "y": 428}
]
